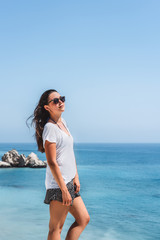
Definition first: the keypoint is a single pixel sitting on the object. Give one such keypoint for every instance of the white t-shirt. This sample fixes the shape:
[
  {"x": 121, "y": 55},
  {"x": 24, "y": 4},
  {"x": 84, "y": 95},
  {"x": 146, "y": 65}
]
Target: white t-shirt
[{"x": 64, "y": 153}]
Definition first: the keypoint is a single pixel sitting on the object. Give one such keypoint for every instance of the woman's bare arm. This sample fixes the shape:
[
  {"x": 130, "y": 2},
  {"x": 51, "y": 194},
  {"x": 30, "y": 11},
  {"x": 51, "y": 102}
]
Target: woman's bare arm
[
  {"x": 76, "y": 166},
  {"x": 76, "y": 171}
]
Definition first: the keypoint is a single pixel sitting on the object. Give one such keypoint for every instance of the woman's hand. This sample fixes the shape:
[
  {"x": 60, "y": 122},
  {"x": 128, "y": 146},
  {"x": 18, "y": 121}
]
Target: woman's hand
[
  {"x": 77, "y": 183},
  {"x": 66, "y": 197}
]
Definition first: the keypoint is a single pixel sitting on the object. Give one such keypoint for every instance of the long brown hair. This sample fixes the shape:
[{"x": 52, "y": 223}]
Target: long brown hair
[{"x": 39, "y": 118}]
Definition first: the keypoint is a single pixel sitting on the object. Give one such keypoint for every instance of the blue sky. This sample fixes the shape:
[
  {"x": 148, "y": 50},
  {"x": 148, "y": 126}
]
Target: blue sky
[{"x": 102, "y": 55}]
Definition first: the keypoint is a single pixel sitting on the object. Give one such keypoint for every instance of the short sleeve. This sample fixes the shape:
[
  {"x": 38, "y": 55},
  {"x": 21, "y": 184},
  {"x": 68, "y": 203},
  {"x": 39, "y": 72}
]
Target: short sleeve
[{"x": 49, "y": 134}]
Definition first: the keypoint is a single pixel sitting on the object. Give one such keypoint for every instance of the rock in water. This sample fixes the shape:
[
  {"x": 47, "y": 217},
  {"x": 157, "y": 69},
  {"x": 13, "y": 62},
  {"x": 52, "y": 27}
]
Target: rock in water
[
  {"x": 4, "y": 164},
  {"x": 21, "y": 160},
  {"x": 13, "y": 159},
  {"x": 33, "y": 161}
]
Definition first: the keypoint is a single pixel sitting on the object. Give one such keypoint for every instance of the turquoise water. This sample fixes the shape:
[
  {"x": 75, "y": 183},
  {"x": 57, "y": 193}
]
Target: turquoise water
[{"x": 120, "y": 186}]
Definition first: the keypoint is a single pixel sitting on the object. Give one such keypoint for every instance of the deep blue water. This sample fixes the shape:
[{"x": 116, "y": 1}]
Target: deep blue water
[{"x": 120, "y": 186}]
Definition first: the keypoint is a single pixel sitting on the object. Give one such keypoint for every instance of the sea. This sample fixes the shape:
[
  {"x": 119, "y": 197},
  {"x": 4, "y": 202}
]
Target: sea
[{"x": 119, "y": 184}]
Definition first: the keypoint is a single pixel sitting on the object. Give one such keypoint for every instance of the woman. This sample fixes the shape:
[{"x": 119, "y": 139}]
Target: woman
[{"x": 62, "y": 182}]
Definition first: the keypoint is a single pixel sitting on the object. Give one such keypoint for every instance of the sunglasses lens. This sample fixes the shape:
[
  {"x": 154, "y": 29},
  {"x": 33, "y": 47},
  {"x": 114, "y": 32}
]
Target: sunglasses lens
[
  {"x": 56, "y": 100},
  {"x": 62, "y": 99}
]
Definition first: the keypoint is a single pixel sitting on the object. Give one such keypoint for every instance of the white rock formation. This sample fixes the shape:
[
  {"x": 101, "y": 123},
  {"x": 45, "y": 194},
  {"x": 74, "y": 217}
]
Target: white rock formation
[
  {"x": 4, "y": 164},
  {"x": 13, "y": 159},
  {"x": 33, "y": 161}
]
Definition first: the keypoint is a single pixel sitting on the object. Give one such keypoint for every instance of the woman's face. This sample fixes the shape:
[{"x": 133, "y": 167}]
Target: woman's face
[{"x": 59, "y": 107}]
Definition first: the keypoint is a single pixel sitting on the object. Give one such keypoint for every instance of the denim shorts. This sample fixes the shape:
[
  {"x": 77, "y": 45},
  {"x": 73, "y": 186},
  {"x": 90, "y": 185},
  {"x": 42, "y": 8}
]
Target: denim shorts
[{"x": 56, "y": 193}]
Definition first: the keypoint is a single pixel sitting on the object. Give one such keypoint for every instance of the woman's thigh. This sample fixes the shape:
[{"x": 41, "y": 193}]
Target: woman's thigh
[
  {"x": 58, "y": 213},
  {"x": 79, "y": 211}
]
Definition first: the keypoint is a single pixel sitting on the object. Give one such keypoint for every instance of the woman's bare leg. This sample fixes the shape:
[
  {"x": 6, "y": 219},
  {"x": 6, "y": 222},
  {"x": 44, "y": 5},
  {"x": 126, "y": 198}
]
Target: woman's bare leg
[
  {"x": 58, "y": 214},
  {"x": 82, "y": 218}
]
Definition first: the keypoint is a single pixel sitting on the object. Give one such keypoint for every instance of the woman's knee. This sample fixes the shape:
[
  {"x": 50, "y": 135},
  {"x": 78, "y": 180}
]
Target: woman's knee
[
  {"x": 87, "y": 219},
  {"x": 55, "y": 228},
  {"x": 83, "y": 221}
]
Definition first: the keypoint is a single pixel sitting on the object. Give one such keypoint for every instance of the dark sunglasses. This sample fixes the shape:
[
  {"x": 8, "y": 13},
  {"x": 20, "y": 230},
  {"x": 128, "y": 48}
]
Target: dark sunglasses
[{"x": 56, "y": 100}]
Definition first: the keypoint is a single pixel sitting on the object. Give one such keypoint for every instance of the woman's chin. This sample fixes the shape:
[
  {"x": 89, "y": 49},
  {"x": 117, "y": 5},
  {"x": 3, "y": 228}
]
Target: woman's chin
[{"x": 62, "y": 110}]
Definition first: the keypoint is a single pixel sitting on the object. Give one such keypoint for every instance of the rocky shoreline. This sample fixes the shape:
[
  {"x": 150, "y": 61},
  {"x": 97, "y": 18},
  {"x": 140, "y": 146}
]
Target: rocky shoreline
[{"x": 12, "y": 159}]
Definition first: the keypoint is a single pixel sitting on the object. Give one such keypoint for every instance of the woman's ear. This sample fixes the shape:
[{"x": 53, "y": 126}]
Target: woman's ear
[{"x": 46, "y": 108}]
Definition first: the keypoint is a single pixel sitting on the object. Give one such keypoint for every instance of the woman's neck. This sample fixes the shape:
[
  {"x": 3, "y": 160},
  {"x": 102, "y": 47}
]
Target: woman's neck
[{"x": 57, "y": 119}]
